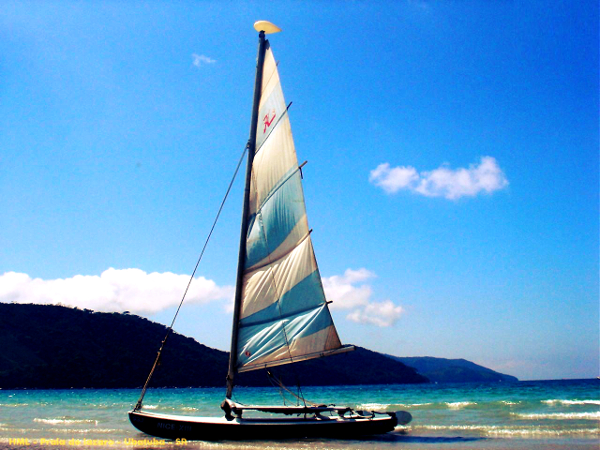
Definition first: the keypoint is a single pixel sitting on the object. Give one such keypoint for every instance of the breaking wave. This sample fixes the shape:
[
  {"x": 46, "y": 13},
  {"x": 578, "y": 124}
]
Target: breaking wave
[
  {"x": 459, "y": 405},
  {"x": 561, "y": 416},
  {"x": 64, "y": 421},
  {"x": 503, "y": 431},
  {"x": 572, "y": 402}
]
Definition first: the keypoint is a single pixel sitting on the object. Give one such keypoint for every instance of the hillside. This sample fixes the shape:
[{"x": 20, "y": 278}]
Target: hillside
[
  {"x": 443, "y": 370},
  {"x": 44, "y": 346}
]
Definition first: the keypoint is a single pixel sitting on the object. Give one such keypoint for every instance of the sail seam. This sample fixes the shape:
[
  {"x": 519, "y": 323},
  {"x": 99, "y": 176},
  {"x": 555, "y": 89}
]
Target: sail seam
[
  {"x": 274, "y": 190},
  {"x": 294, "y": 247},
  {"x": 281, "y": 316},
  {"x": 273, "y": 72},
  {"x": 262, "y": 91}
]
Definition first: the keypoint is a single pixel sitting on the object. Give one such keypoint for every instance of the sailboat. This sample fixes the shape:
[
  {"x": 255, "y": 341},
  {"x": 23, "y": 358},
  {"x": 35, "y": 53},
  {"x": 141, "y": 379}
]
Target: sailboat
[{"x": 281, "y": 315}]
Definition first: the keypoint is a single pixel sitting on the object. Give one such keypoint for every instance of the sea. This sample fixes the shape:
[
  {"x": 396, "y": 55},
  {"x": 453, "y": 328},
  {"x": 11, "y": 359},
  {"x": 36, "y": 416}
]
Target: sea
[{"x": 562, "y": 414}]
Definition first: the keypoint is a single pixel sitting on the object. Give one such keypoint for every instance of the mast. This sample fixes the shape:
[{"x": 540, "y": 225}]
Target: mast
[{"x": 261, "y": 27}]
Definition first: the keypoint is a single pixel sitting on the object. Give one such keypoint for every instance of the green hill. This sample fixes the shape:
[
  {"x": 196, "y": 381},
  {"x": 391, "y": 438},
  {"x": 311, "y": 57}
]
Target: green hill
[{"x": 52, "y": 347}]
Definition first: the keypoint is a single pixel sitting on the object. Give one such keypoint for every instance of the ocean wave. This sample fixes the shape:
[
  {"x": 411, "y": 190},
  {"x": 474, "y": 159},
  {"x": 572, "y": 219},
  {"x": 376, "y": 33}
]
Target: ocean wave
[
  {"x": 150, "y": 406},
  {"x": 85, "y": 430},
  {"x": 13, "y": 405},
  {"x": 373, "y": 406},
  {"x": 459, "y": 405},
  {"x": 502, "y": 431},
  {"x": 561, "y": 416},
  {"x": 390, "y": 406},
  {"x": 189, "y": 408},
  {"x": 506, "y": 402},
  {"x": 64, "y": 421},
  {"x": 572, "y": 402}
]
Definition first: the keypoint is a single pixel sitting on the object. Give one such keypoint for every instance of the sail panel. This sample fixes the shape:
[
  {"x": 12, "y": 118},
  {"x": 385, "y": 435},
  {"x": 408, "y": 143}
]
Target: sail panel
[
  {"x": 265, "y": 286},
  {"x": 271, "y": 112},
  {"x": 284, "y": 338},
  {"x": 279, "y": 362},
  {"x": 281, "y": 214},
  {"x": 284, "y": 314},
  {"x": 276, "y": 158},
  {"x": 302, "y": 297}
]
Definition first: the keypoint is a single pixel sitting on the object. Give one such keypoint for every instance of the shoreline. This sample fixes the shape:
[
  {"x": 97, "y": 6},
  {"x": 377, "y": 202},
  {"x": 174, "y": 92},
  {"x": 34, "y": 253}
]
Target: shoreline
[{"x": 400, "y": 443}]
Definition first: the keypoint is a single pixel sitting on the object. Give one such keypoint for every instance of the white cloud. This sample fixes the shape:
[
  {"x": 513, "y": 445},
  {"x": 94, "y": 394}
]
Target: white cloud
[
  {"x": 349, "y": 292},
  {"x": 342, "y": 292},
  {"x": 114, "y": 290},
  {"x": 382, "y": 314},
  {"x": 140, "y": 292},
  {"x": 392, "y": 180},
  {"x": 198, "y": 60},
  {"x": 443, "y": 181}
]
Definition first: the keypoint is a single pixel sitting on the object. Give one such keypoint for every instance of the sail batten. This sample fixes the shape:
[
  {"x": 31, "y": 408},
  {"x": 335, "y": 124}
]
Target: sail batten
[{"x": 283, "y": 314}]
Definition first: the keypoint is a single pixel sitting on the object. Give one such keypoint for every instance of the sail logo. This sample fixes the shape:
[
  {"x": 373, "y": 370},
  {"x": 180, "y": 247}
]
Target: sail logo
[{"x": 269, "y": 120}]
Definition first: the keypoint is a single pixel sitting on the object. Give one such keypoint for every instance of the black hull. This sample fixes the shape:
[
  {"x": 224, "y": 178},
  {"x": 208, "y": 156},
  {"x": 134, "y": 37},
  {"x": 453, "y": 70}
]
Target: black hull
[{"x": 217, "y": 429}]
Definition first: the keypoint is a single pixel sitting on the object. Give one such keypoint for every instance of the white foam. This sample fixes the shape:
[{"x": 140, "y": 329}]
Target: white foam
[
  {"x": 84, "y": 430},
  {"x": 572, "y": 402},
  {"x": 494, "y": 430},
  {"x": 373, "y": 406},
  {"x": 459, "y": 405},
  {"x": 561, "y": 416},
  {"x": 64, "y": 421}
]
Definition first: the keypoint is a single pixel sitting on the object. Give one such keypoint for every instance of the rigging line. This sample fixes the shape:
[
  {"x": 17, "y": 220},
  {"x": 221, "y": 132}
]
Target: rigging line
[
  {"x": 283, "y": 387},
  {"x": 138, "y": 405}
]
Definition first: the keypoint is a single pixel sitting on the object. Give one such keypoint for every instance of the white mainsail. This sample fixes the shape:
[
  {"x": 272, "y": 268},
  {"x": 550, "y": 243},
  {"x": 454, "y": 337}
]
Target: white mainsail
[{"x": 283, "y": 313}]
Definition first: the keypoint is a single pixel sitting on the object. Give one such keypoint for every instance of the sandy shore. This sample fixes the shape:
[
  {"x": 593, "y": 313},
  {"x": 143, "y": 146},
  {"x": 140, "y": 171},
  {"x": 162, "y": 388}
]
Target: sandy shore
[{"x": 399, "y": 443}]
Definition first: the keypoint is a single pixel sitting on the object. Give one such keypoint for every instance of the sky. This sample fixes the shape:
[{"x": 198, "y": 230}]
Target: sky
[{"x": 451, "y": 185}]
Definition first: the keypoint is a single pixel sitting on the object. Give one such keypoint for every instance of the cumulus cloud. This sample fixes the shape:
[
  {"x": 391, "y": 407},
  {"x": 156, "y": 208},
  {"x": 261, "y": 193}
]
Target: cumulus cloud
[
  {"x": 452, "y": 184},
  {"x": 114, "y": 290},
  {"x": 146, "y": 293},
  {"x": 199, "y": 60},
  {"x": 341, "y": 290},
  {"x": 349, "y": 291},
  {"x": 382, "y": 314}
]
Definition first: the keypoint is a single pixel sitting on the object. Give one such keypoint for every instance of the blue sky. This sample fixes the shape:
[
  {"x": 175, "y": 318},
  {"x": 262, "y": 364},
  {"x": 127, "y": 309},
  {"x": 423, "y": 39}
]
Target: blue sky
[{"x": 452, "y": 176}]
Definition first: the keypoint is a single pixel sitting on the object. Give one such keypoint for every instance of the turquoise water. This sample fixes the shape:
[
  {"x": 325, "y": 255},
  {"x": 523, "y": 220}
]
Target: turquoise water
[{"x": 518, "y": 415}]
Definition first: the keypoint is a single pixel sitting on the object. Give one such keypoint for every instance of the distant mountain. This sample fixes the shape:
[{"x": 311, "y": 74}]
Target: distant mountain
[
  {"x": 443, "y": 370},
  {"x": 45, "y": 346}
]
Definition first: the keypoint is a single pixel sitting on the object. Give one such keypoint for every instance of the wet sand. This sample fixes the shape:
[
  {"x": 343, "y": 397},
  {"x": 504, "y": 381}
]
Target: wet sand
[{"x": 392, "y": 442}]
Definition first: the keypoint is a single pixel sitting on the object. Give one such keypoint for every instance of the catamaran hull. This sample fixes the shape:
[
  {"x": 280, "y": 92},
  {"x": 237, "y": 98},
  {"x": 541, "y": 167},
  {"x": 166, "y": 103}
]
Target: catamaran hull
[{"x": 216, "y": 429}]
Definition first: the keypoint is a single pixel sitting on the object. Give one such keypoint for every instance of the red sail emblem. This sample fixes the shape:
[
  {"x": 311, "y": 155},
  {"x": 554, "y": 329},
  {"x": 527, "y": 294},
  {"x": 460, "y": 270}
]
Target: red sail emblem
[{"x": 268, "y": 121}]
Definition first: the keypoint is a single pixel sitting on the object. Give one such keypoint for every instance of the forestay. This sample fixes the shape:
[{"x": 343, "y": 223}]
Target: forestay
[{"x": 283, "y": 314}]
